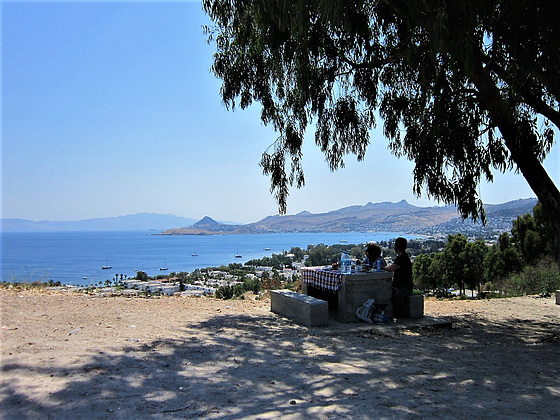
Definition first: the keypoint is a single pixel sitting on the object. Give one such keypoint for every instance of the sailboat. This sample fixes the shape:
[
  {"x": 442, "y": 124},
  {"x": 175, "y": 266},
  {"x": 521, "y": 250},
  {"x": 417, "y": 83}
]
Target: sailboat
[
  {"x": 238, "y": 255},
  {"x": 106, "y": 267},
  {"x": 164, "y": 268}
]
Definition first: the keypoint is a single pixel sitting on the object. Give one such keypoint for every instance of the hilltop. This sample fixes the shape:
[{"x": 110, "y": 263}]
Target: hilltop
[{"x": 371, "y": 217}]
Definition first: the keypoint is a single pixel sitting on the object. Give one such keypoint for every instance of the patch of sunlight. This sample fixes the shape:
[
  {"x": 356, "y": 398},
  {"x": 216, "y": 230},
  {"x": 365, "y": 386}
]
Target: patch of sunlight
[
  {"x": 554, "y": 391},
  {"x": 344, "y": 368}
]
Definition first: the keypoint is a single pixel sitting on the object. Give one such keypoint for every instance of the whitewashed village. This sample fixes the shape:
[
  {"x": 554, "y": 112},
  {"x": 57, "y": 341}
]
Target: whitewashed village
[{"x": 207, "y": 285}]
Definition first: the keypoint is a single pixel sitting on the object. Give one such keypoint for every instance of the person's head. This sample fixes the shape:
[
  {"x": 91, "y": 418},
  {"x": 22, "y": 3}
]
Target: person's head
[
  {"x": 373, "y": 252},
  {"x": 400, "y": 244}
]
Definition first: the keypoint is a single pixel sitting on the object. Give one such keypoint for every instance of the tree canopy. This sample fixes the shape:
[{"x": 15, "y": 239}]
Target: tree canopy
[{"x": 464, "y": 87}]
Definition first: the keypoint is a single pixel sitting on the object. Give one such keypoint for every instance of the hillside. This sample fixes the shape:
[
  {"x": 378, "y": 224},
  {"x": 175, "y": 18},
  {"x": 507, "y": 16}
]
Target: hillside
[{"x": 371, "y": 217}]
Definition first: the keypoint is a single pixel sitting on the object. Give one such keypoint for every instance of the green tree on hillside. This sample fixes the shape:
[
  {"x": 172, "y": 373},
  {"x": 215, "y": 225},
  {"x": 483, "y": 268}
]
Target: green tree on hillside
[
  {"x": 464, "y": 87},
  {"x": 297, "y": 252},
  {"x": 473, "y": 257},
  {"x": 502, "y": 259},
  {"x": 454, "y": 260},
  {"x": 423, "y": 276},
  {"x": 141, "y": 275},
  {"x": 532, "y": 236}
]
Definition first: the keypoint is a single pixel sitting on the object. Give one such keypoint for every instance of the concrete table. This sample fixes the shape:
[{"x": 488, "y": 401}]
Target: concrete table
[{"x": 349, "y": 291}]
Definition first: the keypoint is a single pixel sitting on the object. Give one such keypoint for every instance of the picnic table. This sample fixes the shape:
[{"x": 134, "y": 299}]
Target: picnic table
[{"x": 347, "y": 292}]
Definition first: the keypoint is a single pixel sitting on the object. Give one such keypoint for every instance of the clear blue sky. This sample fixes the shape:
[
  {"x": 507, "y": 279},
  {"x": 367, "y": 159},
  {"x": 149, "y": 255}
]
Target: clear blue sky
[{"x": 110, "y": 109}]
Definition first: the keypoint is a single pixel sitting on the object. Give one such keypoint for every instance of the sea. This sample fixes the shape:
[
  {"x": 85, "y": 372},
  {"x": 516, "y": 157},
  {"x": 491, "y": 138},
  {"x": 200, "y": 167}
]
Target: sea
[{"x": 77, "y": 258}]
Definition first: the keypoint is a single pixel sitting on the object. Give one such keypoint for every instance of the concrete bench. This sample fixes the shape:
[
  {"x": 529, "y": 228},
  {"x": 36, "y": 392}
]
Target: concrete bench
[
  {"x": 413, "y": 307},
  {"x": 416, "y": 306},
  {"x": 304, "y": 309}
]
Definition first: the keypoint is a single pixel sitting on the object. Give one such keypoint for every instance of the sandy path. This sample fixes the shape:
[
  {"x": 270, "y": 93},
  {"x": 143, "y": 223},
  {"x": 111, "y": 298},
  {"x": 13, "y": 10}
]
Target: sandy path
[{"x": 77, "y": 356}]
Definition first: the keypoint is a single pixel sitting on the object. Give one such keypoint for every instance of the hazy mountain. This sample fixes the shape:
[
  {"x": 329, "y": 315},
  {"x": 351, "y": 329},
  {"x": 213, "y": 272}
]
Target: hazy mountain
[
  {"x": 372, "y": 217},
  {"x": 140, "y": 221}
]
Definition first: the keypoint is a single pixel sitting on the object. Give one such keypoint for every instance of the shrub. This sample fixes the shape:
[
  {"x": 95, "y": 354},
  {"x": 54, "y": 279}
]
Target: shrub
[
  {"x": 543, "y": 277},
  {"x": 224, "y": 292},
  {"x": 141, "y": 275}
]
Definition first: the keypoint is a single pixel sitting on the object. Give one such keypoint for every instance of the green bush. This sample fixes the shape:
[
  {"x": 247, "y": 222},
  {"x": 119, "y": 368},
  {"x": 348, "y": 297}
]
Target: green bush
[
  {"x": 224, "y": 292},
  {"x": 141, "y": 275},
  {"x": 252, "y": 285},
  {"x": 543, "y": 277}
]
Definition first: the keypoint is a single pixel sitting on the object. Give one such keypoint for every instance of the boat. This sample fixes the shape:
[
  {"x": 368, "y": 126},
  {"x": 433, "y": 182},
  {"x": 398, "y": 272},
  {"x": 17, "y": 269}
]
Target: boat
[
  {"x": 194, "y": 255},
  {"x": 238, "y": 255},
  {"x": 164, "y": 268},
  {"x": 106, "y": 266},
  {"x": 267, "y": 249}
]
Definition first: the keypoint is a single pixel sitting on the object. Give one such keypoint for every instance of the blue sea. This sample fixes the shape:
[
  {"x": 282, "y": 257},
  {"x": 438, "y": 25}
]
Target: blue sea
[{"x": 77, "y": 257}]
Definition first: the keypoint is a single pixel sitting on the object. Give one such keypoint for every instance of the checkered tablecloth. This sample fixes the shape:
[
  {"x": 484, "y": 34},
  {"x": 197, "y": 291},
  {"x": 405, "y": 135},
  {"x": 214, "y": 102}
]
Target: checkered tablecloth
[{"x": 321, "y": 278}]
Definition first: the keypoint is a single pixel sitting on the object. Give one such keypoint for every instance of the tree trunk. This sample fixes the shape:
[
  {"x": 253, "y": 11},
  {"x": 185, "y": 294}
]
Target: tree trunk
[
  {"x": 522, "y": 151},
  {"x": 547, "y": 193}
]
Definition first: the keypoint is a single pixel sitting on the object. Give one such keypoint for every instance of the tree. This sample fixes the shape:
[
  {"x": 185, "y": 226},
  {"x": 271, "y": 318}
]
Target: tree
[
  {"x": 423, "y": 276},
  {"x": 252, "y": 284},
  {"x": 454, "y": 261},
  {"x": 297, "y": 252},
  {"x": 532, "y": 235},
  {"x": 473, "y": 257},
  {"x": 502, "y": 259},
  {"x": 463, "y": 87},
  {"x": 141, "y": 275}
]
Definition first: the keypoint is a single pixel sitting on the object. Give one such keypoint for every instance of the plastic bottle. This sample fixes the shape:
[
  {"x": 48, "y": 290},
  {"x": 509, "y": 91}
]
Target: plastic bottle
[
  {"x": 378, "y": 264},
  {"x": 345, "y": 263}
]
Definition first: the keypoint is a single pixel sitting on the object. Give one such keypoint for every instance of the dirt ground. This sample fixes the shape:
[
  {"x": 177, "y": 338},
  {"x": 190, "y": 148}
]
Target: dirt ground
[{"x": 69, "y": 355}]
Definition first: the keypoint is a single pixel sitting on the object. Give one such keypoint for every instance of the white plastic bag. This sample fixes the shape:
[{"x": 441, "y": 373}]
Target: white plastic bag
[{"x": 366, "y": 311}]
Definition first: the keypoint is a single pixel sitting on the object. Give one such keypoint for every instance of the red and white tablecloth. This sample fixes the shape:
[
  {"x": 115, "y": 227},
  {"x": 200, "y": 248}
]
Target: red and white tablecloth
[{"x": 322, "y": 278}]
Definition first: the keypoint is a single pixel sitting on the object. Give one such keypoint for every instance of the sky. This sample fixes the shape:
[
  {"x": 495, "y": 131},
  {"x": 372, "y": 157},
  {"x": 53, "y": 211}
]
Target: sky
[{"x": 110, "y": 108}]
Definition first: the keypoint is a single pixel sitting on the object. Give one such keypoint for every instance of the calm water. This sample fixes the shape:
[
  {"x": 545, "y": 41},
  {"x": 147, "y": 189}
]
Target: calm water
[{"x": 68, "y": 257}]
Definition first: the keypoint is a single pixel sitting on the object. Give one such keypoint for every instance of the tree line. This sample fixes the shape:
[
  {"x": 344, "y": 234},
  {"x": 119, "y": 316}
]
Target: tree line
[{"x": 519, "y": 262}]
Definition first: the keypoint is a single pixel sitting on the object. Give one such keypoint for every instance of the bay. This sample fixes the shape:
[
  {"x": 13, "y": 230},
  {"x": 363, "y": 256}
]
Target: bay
[{"x": 77, "y": 257}]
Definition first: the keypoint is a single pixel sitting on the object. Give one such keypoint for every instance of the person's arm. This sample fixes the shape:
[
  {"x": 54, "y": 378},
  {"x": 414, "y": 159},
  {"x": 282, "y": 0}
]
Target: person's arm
[{"x": 392, "y": 267}]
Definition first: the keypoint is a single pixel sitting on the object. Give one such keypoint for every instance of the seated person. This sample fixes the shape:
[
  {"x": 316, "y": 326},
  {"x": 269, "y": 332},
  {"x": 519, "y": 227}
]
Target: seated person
[
  {"x": 373, "y": 255},
  {"x": 402, "y": 276}
]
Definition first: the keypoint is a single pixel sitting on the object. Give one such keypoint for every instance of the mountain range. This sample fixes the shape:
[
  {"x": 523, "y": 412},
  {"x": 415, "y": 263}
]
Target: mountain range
[
  {"x": 140, "y": 221},
  {"x": 372, "y": 217}
]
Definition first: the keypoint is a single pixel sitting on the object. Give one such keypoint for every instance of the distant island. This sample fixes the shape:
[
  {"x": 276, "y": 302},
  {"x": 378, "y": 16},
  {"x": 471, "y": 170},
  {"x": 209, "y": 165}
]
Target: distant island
[
  {"x": 372, "y": 217},
  {"x": 140, "y": 221}
]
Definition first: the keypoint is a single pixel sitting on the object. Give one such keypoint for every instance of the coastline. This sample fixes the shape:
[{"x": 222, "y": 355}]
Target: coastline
[{"x": 68, "y": 257}]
